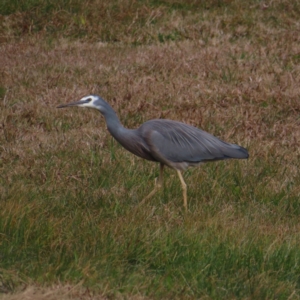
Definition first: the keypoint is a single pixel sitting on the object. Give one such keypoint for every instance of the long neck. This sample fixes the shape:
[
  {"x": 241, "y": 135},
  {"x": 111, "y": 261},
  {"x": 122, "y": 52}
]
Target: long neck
[
  {"x": 130, "y": 139},
  {"x": 113, "y": 124}
]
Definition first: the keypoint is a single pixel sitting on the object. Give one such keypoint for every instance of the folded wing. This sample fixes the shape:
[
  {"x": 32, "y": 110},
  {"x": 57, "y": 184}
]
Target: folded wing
[{"x": 178, "y": 142}]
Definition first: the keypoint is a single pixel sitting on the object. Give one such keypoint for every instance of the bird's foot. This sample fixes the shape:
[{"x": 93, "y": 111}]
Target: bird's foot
[{"x": 157, "y": 186}]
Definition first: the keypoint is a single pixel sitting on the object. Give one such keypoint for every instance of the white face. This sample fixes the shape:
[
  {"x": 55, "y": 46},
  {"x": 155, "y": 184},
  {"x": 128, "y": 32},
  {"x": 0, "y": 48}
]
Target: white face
[
  {"x": 90, "y": 101},
  {"x": 87, "y": 101}
]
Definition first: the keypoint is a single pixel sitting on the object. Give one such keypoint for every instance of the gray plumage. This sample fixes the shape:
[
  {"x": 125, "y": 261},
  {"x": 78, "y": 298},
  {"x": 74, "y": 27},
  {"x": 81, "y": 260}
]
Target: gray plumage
[{"x": 168, "y": 142}]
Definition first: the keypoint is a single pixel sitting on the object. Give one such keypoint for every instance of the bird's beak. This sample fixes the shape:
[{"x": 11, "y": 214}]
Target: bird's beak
[{"x": 77, "y": 103}]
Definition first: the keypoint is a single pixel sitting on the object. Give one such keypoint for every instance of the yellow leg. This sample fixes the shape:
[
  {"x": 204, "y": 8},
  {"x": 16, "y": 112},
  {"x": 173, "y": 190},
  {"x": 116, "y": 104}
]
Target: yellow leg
[
  {"x": 158, "y": 184},
  {"x": 184, "y": 189}
]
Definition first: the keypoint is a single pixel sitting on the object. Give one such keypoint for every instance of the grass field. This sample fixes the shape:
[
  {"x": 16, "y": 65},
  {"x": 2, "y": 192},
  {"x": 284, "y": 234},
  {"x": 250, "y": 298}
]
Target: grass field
[{"x": 70, "y": 223}]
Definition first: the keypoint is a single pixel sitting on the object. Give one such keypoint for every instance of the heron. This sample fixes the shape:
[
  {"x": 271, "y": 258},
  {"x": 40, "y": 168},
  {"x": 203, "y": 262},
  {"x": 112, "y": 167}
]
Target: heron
[{"x": 171, "y": 143}]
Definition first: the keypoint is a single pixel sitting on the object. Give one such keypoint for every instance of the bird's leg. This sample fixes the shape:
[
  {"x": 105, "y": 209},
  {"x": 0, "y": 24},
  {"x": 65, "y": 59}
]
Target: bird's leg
[
  {"x": 161, "y": 175},
  {"x": 184, "y": 189},
  {"x": 158, "y": 184}
]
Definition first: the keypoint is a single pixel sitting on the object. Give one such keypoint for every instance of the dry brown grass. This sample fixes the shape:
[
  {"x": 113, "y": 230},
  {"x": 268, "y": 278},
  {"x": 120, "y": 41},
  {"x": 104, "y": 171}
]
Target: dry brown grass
[
  {"x": 55, "y": 292},
  {"x": 62, "y": 293},
  {"x": 257, "y": 106}
]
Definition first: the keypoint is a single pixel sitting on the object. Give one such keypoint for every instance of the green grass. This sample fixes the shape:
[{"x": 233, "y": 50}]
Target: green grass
[
  {"x": 86, "y": 230},
  {"x": 70, "y": 195},
  {"x": 137, "y": 23},
  {"x": 109, "y": 246}
]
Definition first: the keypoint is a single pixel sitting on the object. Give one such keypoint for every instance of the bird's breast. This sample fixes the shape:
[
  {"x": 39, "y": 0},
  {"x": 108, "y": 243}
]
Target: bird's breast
[{"x": 132, "y": 141}]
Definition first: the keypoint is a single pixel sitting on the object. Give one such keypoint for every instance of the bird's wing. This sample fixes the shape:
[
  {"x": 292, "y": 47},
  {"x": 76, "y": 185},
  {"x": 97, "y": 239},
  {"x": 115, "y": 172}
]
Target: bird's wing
[{"x": 178, "y": 142}]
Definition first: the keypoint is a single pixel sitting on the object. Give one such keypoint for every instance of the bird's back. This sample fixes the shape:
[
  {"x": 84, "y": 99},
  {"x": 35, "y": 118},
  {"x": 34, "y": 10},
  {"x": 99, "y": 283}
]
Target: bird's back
[{"x": 175, "y": 143}]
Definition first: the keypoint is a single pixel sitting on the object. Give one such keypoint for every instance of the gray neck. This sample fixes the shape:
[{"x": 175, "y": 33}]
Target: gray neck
[
  {"x": 113, "y": 123},
  {"x": 130, "y": 139}
]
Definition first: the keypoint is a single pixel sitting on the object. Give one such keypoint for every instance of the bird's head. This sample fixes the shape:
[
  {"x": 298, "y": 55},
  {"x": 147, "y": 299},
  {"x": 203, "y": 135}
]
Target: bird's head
[{"x": 91, "y": 101}]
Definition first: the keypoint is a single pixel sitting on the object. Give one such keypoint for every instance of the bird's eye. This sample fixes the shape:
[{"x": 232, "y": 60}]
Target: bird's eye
[{"x": 88, "y": 100}]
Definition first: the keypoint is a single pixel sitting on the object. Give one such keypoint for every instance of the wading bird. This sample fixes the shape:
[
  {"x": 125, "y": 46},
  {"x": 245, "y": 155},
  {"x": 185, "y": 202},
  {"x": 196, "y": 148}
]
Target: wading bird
[{"x": 171, "y": 143}]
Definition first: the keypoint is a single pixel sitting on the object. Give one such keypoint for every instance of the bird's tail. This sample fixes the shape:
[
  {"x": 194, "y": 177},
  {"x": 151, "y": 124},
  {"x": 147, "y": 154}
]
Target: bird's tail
[{"x": 236, "y": 151}]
